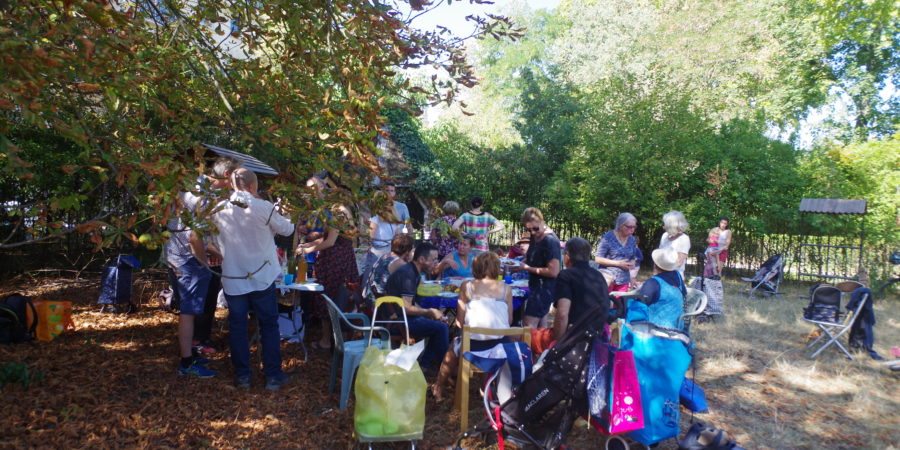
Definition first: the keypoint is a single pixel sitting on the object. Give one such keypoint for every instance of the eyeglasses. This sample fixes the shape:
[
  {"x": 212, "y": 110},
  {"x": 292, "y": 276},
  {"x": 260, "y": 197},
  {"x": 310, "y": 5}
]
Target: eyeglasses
[{"x": 630, "y": 227}]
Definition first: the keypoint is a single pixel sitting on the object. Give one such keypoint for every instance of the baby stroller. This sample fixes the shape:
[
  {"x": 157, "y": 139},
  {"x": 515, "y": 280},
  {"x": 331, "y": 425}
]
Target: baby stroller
[
  {"x": 767, "y": 278},
  {"x": 546, "y": 404}
]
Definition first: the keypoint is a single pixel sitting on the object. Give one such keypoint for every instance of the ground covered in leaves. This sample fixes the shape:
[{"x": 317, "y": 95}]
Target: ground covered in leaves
[{"x": 111, "y": 383}]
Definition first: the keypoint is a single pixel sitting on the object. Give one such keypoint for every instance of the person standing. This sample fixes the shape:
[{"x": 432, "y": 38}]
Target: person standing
[
  {"x": 542, "y": 262},
  {"x": 185, "y": 254},
  {"x": 335, "y": 267},
  {"x": 675, "y": 238},
  {"x": 382, "y": 229},
  {"x": 423, "y": 322},
  {"x": 247, "y": 227},
  {"x": 219, "y": 182},
  {"x": 617, "y": 253},
  {"x": 479, "y": 224},
  {"x": 723, "y": 242},
  {"x": 579, "y": 288},
  {"x": 445, "y": 243}
]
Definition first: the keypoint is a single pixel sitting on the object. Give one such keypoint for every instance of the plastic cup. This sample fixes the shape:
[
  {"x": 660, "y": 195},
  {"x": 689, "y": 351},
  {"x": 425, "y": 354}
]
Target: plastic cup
[
  {"x": 288, "y": 279},
  {"x": 507, "y": 279}
]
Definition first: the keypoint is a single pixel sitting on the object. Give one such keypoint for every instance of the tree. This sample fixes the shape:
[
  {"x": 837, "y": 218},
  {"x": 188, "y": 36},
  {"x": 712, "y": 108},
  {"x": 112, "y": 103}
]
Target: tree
[{"x": 131, "y": 89}]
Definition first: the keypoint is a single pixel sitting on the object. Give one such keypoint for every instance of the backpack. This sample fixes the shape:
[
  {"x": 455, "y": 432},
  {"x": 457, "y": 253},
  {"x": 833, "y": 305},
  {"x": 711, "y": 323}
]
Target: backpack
[{"x": 14, "y": 326}]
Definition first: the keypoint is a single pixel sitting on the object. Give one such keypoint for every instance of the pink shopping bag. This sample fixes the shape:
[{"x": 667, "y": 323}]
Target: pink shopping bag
[{"x": 626, "y": 413}]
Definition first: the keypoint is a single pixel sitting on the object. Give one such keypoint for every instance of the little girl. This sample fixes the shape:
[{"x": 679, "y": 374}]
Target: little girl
[{"x": 711, "y": 268}]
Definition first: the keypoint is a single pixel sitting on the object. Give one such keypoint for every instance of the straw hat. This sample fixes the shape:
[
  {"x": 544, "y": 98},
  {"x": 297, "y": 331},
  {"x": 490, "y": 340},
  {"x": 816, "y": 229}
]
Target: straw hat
[{"x": 665, "y": 258}]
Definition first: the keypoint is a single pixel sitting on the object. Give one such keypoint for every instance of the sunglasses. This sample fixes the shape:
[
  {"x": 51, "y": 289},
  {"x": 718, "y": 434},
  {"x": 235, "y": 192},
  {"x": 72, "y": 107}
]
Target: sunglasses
[{"x": 534, "y": 229}]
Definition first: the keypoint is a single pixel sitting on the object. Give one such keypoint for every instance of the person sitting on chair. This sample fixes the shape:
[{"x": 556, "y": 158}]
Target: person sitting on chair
[
  {"x": 423, "y": 323},
  {"x": 484, "y": 302},
  {"x": 458, "y": 263},
  {"x": 661, "y": 299},
  {"x": 579, "y": 288}
]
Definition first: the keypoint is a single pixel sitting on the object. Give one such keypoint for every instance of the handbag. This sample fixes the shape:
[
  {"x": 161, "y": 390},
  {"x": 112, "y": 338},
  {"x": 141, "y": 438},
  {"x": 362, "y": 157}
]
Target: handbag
[
  {"x": 53, "y": 319},
  {"x": 624, "y": 412}
]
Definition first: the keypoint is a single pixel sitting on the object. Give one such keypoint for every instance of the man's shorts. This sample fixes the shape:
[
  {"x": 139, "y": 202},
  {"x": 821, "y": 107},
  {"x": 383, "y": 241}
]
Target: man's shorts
[
  {"x": 540, "y": 299},
  {"x": 190, "y": 283}
]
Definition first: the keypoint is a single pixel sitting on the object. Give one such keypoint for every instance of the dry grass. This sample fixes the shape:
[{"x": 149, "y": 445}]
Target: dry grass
[{"x": 111, "y": 383}]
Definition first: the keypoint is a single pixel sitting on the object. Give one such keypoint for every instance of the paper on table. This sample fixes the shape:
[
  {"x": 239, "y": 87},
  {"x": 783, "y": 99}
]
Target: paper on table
[{"x": 405, "y": 356}]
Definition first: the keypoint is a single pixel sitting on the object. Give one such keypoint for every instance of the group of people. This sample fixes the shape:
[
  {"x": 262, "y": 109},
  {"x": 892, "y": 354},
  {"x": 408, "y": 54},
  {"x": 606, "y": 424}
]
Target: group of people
[{"x": 242, "y": 256}]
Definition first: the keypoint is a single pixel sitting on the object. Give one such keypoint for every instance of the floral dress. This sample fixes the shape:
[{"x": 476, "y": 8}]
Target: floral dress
[{"x": 445, "y": 244}]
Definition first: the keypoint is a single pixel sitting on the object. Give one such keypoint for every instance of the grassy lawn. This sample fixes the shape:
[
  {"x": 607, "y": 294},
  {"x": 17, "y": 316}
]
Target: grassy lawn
[{"x": 112, "y": 383}]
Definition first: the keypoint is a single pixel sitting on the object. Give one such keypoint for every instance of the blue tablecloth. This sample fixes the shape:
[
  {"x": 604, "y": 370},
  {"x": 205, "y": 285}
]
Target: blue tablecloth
[{"x": 450, "y": 302}]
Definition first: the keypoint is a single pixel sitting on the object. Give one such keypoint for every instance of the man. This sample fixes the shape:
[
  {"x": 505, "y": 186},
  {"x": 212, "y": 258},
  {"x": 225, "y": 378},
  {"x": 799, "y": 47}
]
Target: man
[
  {"x": 579, "y": 288},
  {"x": 247, "y": 226},
  {"x": 203, "y": 323},
  {"x": 382, "y": 229},
  {"x": 185, "y": 254},
  {"x": 423, "y": 323}
]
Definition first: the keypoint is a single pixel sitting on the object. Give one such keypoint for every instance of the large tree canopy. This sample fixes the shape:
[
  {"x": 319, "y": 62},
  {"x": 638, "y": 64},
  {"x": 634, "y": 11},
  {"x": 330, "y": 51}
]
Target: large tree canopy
[{"x": 104, "y": 105}]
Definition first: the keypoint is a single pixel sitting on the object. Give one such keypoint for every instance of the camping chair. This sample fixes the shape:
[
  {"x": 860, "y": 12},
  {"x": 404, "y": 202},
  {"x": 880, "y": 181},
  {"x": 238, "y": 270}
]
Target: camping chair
[
  {"x": 694, "y": 304},
  {"x": 461, "y": 399},
  {"x": 768, "y": 277},
  {"x": 824, "y": 312},
  {"x": 349, "y": 353}
]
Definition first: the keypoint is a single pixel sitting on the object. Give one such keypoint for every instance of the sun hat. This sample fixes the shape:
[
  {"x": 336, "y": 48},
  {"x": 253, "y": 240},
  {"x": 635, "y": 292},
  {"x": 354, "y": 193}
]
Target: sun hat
[{"x": 665, "y": 258}]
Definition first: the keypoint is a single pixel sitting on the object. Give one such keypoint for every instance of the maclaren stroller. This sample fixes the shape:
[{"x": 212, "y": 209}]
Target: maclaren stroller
[
  {"x": 767, "y": 278},
  {"x": 542, "y": 409}
]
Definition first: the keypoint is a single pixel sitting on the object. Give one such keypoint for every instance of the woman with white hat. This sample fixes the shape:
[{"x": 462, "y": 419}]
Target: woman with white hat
[{"x": 661, "y": 299}]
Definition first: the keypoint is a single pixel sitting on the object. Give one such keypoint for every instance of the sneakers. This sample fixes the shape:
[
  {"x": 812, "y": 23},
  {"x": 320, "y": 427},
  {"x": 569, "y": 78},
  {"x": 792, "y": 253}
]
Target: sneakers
[
  {"x": 275, "y": 383},
  {"x": 196, "y": 369},
  {"x": 201, "y": 360},
  {"x": 242, "y": 382}
]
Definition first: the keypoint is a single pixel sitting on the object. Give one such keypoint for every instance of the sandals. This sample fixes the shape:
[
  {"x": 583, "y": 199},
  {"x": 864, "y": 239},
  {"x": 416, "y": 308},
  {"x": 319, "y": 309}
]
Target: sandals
[{"x": 701, "y": 437}]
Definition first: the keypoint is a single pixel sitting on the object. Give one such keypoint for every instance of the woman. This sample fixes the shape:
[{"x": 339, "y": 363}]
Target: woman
[
  {"x": 390, "y": 219},
  {"x": 480, "y": 224},
  {"x": 661, "y": 299},
  {"x": 335, "y": 267},
  {"x": 444, "y": 242},
  {"x": 617, "y": 253},
  {"x": 722, "y": 244},
  {"x": 458, "y": 263},
  {"x": 401, "y": 253},
  {"x": 675, "y": 225},
  {"x": 542, "y": 263},
  {"x": 483, "y": 302}
]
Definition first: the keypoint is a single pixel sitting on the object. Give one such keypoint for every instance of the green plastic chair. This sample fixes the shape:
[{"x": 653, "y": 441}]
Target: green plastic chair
[{"x": 349, "y": 353}]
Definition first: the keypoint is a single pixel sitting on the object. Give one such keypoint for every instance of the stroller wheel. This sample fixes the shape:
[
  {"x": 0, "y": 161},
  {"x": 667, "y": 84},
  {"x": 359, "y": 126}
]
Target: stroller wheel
[{"x": 616, "y": 443}]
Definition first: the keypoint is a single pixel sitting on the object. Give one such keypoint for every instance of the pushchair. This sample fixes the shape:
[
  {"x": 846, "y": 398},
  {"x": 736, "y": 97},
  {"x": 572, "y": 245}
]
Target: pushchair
[
  {"x": 546, "y": 404},
  {"x": 767, "y": 278}
]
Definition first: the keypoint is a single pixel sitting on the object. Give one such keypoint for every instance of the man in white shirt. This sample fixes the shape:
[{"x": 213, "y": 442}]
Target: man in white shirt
[{"x": 247, "y": 227}]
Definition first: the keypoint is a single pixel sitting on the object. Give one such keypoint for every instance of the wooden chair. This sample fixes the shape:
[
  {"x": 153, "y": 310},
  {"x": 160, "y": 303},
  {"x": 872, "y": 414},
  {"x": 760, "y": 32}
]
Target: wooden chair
[{"x": 461, "y": 398}]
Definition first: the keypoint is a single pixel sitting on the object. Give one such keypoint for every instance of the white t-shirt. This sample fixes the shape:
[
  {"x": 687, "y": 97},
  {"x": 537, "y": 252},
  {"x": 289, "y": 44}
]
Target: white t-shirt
[{"x": 681, "y": 244}]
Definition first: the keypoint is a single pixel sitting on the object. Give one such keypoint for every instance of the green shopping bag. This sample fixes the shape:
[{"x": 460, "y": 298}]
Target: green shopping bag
[{"x": 390, "y": 401}]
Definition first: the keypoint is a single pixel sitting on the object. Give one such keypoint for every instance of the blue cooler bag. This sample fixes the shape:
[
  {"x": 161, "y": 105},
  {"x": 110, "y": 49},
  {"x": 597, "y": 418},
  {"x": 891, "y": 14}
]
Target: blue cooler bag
[{"x": 662, "y": 359}]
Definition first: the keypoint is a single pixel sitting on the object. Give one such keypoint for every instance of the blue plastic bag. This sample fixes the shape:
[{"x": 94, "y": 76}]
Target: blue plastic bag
[
  {"x": 692, "y": 396},
  {"x": 662, "y": 359}
]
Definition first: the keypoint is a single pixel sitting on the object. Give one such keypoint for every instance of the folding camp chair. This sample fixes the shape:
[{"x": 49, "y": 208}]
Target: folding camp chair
[
  {"x": 824, "y": 312},
  {"x": 768, "y": 277}
]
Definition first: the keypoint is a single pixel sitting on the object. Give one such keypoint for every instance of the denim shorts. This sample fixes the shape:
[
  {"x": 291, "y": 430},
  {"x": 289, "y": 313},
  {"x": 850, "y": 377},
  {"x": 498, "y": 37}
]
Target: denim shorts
[
  {"x": 191, "y": 282},
  {"x": 540, "y": 299}
]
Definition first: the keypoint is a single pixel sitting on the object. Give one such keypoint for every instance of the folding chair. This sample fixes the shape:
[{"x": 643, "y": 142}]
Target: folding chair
[
  {"x": 824, "y": 312},
  {"x": 461, "y": 399},
  {"x": 768, "y": 277}
]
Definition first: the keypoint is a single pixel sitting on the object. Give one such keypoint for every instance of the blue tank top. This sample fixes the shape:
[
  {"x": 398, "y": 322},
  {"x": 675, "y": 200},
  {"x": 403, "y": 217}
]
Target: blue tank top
[{"x": 465, "y": 272}]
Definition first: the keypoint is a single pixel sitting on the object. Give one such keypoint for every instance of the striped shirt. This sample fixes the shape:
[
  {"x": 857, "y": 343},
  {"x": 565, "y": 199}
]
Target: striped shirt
[{"x": 478, "y": 225}]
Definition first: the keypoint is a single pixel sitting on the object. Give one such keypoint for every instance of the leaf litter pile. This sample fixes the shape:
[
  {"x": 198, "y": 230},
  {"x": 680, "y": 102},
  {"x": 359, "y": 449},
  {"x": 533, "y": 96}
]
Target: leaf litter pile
[{"x": 111, "y": 382}]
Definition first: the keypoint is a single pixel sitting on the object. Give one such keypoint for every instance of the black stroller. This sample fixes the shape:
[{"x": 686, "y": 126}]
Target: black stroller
[
  {"x": 544, "y": 407},
  {"x": 767, "y": 278}
]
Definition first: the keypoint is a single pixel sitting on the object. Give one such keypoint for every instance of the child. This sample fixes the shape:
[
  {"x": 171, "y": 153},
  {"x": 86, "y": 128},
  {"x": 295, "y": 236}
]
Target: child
[{"x": 711, "y": 253}]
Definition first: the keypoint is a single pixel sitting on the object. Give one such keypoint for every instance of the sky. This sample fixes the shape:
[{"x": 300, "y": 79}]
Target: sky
[{"x": 453, "y": 16}]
